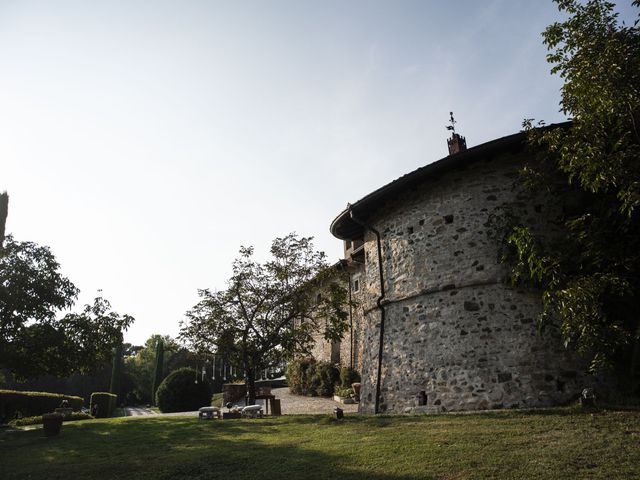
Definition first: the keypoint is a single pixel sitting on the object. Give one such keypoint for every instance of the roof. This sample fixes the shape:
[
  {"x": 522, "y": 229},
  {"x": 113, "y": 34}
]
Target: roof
[{"x": 345, "y": 228}]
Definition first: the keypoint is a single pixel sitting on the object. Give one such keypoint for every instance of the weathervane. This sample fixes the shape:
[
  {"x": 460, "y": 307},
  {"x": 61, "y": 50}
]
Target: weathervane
[
  {"x": 453, "y": 122},
  {"x": 456, "y": 143}
]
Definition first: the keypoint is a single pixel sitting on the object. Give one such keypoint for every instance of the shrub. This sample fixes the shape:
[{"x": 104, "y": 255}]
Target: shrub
[
  {"x": 26, "y": 404},
  {"x": 105, "y": 403},
  {"x": 315, "y": 383},
  {"x": 22, "y": 422},
  {"x": 328, "y": 375},
  {"x": 179, "y": 393},
  {"x": 299, "y": 373},
  {"x": 343, "y": 392},
  {"x": 348, "y": 376},
  {"x": 305, "y": 376}
]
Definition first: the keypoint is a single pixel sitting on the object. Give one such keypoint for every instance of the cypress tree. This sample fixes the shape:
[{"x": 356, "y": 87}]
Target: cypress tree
[
  {"x": 158, "y": 372},
  {"x": 116, "y": 370}
]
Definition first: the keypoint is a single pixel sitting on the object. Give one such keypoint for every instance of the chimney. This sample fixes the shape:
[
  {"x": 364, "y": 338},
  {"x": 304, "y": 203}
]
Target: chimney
[{"x": 456, "y": 143}]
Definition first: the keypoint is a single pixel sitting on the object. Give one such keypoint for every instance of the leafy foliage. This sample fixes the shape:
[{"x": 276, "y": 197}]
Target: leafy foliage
[
  {"x": 299, "y": 373},
  {"x": 31, "y": 287},
  {"x": 589, "y": 270},
  {"x": 348, "y": 376},
  {"x": 180, "y": 393},
  {"x": 140, "y": 367},
  {"x": 305, "y": 376},
  {"x": 269, "y": 310},
  {"x": 32, "y": 293}
]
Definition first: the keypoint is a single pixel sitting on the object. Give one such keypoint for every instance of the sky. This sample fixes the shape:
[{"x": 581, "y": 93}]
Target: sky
[{"x": 145, "y": 142}]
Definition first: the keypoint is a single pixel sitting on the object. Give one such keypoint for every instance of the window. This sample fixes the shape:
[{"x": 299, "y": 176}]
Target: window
[{"x": 356, "y": 285}]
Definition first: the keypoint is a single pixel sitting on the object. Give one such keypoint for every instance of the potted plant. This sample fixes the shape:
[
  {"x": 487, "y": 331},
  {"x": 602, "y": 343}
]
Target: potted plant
[
  {"x": 356, "y": 390},
  {"x": 52, "y": 423}
]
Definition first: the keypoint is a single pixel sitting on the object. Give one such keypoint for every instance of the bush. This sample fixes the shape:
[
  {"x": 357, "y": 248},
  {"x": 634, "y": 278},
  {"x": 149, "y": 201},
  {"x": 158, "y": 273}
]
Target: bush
[
  {"x": 27, "y": 404},
  {"x": 328, "y": 376},
  {"x": 22, "y": 422},
  {"x": 179, "y": 393},
  {"x": 299, "y": 373},
  {"x": 305, "y": 376},
  {"x": 343, "y": 392},
  {"x": 348, "y": 376},
  {"x": 315, "y": 383},
  {"x": 105, "y": 402}
]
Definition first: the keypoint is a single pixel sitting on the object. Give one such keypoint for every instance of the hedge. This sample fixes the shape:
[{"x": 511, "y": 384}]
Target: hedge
[
  {"x": 27, "y": 404},
  {"x": 22, "y": 422},
  {"x": 105, "y": 403},
  {"x": 179, "y": 393}
]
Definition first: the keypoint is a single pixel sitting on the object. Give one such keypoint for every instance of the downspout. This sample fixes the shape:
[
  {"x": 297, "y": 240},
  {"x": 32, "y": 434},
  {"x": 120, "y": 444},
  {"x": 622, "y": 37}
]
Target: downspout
[
  {"x": 378, "y": 303},
  {"x": 346, "y": 269},
  {"x": 350, "y": 326}
]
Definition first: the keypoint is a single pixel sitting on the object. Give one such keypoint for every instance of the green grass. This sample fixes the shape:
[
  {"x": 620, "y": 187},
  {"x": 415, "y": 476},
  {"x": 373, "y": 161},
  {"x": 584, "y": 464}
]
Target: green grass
[{"x": 561, "y": 444}]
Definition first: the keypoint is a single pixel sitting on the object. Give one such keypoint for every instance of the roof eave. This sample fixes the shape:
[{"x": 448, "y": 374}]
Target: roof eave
[{"x": 344, "y": 228}]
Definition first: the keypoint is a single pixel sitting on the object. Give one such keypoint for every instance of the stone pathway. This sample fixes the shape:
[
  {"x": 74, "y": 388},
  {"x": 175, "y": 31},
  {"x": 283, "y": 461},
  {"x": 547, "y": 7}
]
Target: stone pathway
[{"x": 289, "y": 404}]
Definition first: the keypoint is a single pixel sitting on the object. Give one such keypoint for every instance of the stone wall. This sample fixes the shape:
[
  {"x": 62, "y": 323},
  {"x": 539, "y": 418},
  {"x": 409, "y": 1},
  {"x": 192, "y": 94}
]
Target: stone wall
[
  {"x": 352, "y": 342},
  {"x": 456, "y": 332}
]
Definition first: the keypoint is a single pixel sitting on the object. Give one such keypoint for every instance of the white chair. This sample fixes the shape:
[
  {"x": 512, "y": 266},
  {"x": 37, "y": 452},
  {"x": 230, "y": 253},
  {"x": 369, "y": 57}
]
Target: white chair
[
  {"x": 252, "y": 411},
  {"x": 208, "y": 413}
]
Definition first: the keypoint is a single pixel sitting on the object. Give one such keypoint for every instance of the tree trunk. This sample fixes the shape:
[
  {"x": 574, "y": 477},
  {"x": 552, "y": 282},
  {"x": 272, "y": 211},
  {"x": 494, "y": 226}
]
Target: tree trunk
[{"x": 250, "y": 375}]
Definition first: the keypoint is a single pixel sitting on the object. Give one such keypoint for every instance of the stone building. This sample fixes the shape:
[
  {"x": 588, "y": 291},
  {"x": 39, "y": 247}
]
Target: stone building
[
  {"x": 347, "y": 352},
  {"x": 438, "y": 327}
]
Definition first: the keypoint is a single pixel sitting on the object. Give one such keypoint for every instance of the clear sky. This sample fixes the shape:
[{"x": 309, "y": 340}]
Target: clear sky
[{"x": 144, "y": 142}]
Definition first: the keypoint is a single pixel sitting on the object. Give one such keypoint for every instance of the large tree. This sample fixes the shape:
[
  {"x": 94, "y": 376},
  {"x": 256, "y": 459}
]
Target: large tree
[
  {"x": 269, "y": 310},
  {"x": 589, "y": 272},
  {"x": 35, "y": 338}
]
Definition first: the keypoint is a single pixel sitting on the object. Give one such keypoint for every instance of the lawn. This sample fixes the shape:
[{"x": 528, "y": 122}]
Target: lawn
[{"x": 550, "y": 444}]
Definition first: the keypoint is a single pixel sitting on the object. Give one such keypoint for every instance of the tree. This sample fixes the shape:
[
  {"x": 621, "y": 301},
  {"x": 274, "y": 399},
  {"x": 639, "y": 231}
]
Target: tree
[
  {"x": 33, "y": 339},
  {"x": 116, "y": 372},
  {"x": 589, "y": 272},
  {"x": 159, "y": 369},
  {"x": 140, "y": 364},
  {"x": 269, "y": 310},
  {"x": 32, "y": 288}
]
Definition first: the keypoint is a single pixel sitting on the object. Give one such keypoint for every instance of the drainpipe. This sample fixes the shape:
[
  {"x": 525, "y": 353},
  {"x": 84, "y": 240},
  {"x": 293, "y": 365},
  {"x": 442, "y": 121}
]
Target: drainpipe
[
  {"x": 350, "y": 326},
  {"x": 344, "y": 267},
  {"x": 378, "y": 303}
]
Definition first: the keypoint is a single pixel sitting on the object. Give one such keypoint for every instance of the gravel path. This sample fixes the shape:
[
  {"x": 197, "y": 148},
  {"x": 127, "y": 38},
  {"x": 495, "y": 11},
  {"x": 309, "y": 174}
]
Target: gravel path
[
  {"x": 138, "y": 411},
  {"x": 299, "y": 405},
  {"x": 290, "y": 405}
]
